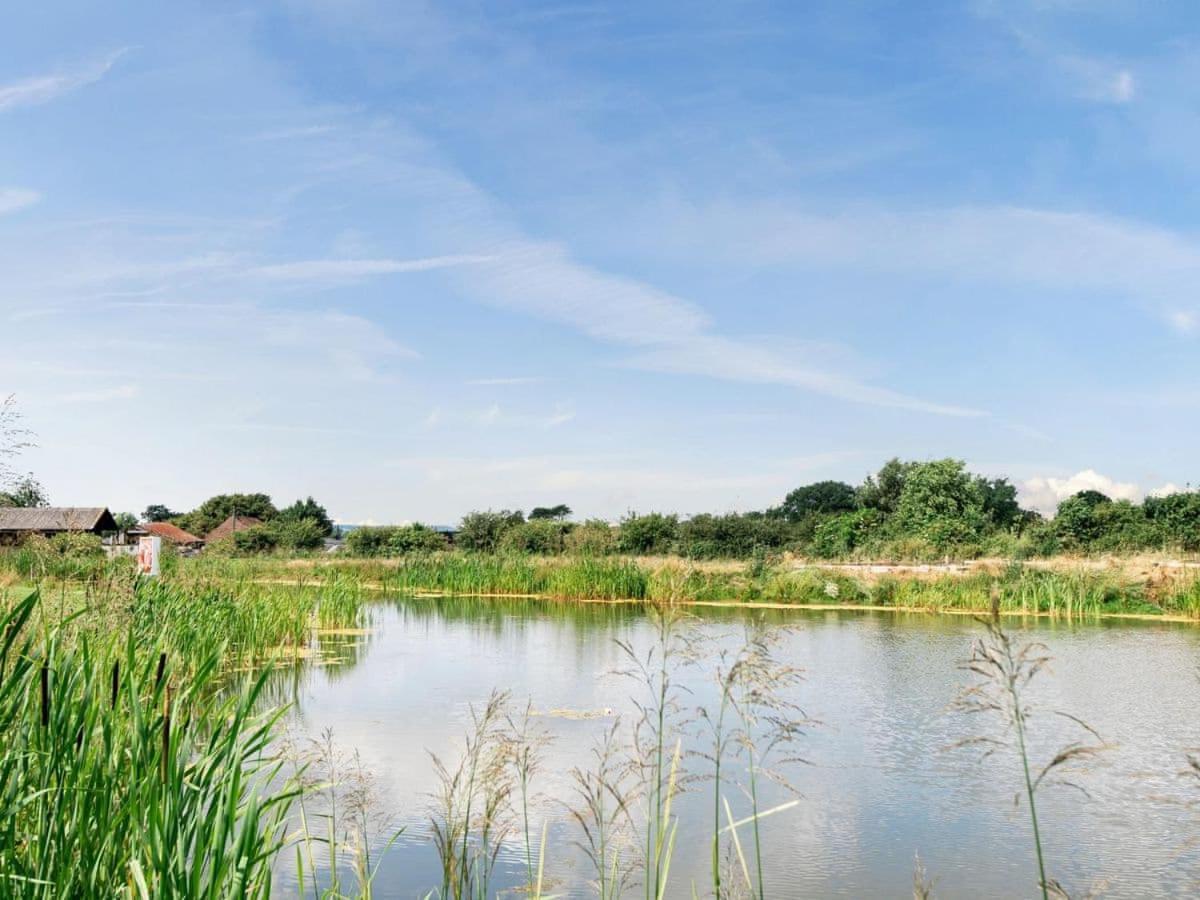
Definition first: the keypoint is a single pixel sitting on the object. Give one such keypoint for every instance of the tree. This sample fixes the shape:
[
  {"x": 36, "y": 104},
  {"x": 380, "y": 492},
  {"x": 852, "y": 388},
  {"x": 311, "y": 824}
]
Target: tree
[
  {"x": 561, "y": 511},
  {"x": 819, "y": 498},
  {"x": 940, "y": 503},
  {"x": 125, "y": 521},
  {"x": 215, "y": 510},
  {"x": 999, "y": 501},
  {"x": 882, "y": 491},
  {"x": 25, "y": 492},
  {"x": 308, "y": 509},
  {"x": 483, "y": 530},
  {"x": 156, "y": 512},
  {"x": 651, "y": 533},
  {"x": 1177, "y": 518}
]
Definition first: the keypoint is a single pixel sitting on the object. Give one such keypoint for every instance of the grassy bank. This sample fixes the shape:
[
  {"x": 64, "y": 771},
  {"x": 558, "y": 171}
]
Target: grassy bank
[{"x": 1069, "y": 589}]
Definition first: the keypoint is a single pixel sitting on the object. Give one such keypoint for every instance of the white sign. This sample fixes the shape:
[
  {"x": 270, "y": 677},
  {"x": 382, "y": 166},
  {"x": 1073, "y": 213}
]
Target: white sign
[{"x": 147, "y": 555}]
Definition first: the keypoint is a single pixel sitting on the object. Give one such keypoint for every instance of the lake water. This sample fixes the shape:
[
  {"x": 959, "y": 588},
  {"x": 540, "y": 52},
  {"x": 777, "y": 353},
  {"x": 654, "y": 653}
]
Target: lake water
[{"x": 879, "y": 784}]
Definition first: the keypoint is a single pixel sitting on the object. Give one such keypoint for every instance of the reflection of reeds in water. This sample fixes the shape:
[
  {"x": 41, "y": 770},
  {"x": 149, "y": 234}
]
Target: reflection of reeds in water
[{"x": 1001, "y": 670}]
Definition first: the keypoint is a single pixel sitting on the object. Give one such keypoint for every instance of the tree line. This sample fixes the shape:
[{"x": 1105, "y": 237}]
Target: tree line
[{"x": 907, "y": 510}]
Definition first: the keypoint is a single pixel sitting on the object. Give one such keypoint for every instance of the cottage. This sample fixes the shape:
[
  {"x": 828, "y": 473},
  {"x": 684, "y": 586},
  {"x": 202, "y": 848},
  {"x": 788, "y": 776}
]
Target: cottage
[
  {"x": 18, "y": 522},
  {"x": 171, "y": 534}
]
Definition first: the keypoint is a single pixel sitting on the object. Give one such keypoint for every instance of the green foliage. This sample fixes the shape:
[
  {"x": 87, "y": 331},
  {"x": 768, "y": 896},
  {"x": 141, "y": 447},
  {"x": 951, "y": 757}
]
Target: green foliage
[
  {"x": 156, "y": 512},
  {"x": 649, "y": 534},
  {"x": 882, "y": 491},
  {"x": 308, "y": 509},
  {"x": 820, "y": 498},
  {"x": 941, "y": 503},
  {"x": 125, "y": 521},
  {"x": 545, "y": 536},
  {"x": 482, "y": 531},
  {"x": 840, "y": 535},
  {"x": 1176, "y": 519},
  {"x": 595, "y": 537},
  {"x": 730, "y": 536},
  {"x": 1000, "y": 504},
  {"x": 394, "y": 540},
  {"x": 77, "y": 543},
  {"x": 561, "y": 511},
  {"x": 25, "y": 492},
  {"x": 215, "y": 510}
]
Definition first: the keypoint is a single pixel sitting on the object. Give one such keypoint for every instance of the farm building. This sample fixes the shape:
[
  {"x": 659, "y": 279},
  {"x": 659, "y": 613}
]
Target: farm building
[
  {"x": 230, "y": 525},
  {"x": 171, "y": 534},
  {"x": 17, "y": 522}
]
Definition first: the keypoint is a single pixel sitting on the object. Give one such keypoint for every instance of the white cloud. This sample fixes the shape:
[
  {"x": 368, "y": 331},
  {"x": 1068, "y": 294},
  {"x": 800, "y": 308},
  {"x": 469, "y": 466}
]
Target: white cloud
[
  {"x": 14, "y": 199},
  {"x": 334, "y": 270},
  {"x": 1169, "y": 488},
  {"x": 40, "y": 89},
  {"x": 1045, "y": 493},
  {"x": 504, "y": 382}
]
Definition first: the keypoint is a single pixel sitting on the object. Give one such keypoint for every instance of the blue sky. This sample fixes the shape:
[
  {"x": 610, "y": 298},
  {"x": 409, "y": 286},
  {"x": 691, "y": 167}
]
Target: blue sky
[{"x": 415, "y": 259}]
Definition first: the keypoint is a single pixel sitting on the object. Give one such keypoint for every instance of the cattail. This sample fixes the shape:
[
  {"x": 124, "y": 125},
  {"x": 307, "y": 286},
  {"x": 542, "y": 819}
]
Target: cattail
[
  {"x": 116, "y": 681},
  {"x": 162, "y": 667},
  {"x": 45, "y": 695},
  {"x": 166, "y": 732}
]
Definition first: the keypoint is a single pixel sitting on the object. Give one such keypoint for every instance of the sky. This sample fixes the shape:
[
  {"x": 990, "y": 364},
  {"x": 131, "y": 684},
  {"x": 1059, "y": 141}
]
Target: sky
[{"x": 415, "y": 259}]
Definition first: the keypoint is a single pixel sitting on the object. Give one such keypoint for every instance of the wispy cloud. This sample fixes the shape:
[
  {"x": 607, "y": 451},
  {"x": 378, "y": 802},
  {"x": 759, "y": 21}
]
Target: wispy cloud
[
  {"x": 334, "y": 270},
  {"x": 14, "y": 199},
  {"x": 100, "y": 395},
  {"x": 505, "y": 382},
  {"x": 40, "y": 89}
]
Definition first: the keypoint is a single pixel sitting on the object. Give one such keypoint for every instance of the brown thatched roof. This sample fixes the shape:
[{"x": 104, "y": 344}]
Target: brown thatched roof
[
  {"x": 169, "y": 532},
  {"x": 48, "y": 519},
  {"x": 230, "y": 525}
]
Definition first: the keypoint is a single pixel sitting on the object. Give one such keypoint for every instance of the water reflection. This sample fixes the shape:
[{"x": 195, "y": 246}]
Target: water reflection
[{"x": 880, "y": 786}]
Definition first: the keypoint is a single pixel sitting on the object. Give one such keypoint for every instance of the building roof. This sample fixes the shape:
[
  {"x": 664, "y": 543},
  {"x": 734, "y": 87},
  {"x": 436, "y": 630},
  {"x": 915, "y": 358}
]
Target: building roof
[
  {"x": 169, "y": 532},
  {"x": 56, "y": 518},
  {"x": 230, "y": 525}
]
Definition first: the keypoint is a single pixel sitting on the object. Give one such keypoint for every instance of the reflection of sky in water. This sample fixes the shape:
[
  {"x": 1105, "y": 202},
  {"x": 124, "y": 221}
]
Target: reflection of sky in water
[{"x": 879, "y": 787}]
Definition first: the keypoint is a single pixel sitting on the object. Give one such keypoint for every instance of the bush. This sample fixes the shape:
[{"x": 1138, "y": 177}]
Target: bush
[
  {"x": 77, "y": 543},
  {"x": 394, "y": 540},
  {"x": 731, "y": 536},
  {"x": 482, "y": 530},
  {"x": 653, "y": 533},
  {"x": 840, "y": 535},
  {"x": 256, "y": 539},
  {"x": 299, "y": 534},
  {"x": 595, "y": 537},
  {"x": 545, "y": 536}
]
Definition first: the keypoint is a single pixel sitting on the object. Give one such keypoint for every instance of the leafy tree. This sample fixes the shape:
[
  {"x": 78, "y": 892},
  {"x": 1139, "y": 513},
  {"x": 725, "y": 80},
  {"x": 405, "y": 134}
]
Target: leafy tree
[
  {"x": 595, "y": 537},
  {"x": 215, "y": 510},
  {"x": 941, "y": 503},
  {"x": 297, "y": 534},
  {"x": 1000, "y": 504},
  {"x": 1091, "y": 498},
  {"x": 649, "y": 534},
  {"x": 882, "y": 491},
  {"x": 819, "y": 498},
  {"x": 125, "y": 521},
  {"x": 840, "y": 535},
  {"x": 561, "y": 511},
  {"x": 545, "y": 536},
  {"x": 310, "y": 509},
  {"x": 394, "y": 540},
  {"x": 25, "y": 492},
  {"x": 482, "y": 530},
  {"x": 731, "y": 536},
  {"x": 1076, "y": 522},
  {"x": 156, "y": 512},
  {"x": 1176, "y": 518}
]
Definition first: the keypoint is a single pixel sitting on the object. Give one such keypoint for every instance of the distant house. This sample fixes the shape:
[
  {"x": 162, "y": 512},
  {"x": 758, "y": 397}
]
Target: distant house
[
  {"x": 17, "y": 522},
  {"x": 172, "y": 534},
  {"x": 233, "y": 524}
]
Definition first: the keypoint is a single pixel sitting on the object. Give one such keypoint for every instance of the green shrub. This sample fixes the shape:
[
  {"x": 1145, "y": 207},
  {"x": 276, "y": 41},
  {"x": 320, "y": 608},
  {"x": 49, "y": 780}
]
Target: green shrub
[
  {"x": 482, "y": 531},
  {"x": 595, "y": 537},
  {"x": 545, "y": 536},
  {"x": 654, "y": 533},
  {"x": 394, "y": 540}
]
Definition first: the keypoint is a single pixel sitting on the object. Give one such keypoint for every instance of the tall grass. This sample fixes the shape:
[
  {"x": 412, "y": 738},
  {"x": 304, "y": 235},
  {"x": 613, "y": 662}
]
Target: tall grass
[{"x": 122, "y": 776}]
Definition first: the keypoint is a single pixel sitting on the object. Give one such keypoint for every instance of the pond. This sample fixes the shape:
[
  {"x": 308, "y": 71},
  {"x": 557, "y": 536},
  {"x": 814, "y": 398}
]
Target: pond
[{"x": 881, "y": 779}]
